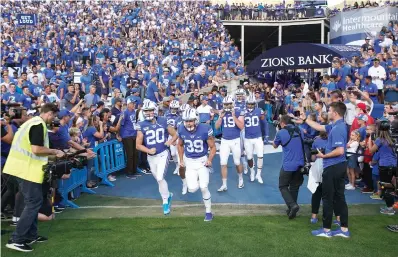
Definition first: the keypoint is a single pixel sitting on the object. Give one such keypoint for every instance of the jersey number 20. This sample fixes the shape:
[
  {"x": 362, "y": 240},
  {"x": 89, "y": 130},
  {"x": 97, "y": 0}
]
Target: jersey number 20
[
  {"x": 194, "y": 146},
  {"x": 155, "y": 136}
]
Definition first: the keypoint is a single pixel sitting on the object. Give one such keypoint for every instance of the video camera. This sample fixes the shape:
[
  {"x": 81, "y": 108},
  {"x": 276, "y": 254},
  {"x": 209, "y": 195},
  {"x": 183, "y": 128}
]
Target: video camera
[{"x": 54, "y": 170}]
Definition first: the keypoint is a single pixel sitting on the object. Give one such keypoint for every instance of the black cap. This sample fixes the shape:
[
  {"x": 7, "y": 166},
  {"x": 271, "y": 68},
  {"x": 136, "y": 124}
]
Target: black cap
[{"x": 100, "y": 103}]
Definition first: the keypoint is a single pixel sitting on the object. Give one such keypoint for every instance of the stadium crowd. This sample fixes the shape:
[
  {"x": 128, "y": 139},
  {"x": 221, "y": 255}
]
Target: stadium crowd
[{"x": 138, "y": 61}]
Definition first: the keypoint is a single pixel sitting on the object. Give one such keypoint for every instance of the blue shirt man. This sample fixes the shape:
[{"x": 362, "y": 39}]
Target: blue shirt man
[
  {"x": 334, "y": 171},
  {"x": 391, "y": 88},
  {"x": 371, "y": 89},
  {"x": 290, "y": 179},
  {"x": 152, "y": 92},
  {"x": 293, "y": 156},
  {"x": 128, "y": 125}
]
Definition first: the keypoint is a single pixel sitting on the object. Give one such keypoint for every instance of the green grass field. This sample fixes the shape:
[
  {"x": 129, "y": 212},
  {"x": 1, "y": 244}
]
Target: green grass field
[{"x": 77, "y": 233}]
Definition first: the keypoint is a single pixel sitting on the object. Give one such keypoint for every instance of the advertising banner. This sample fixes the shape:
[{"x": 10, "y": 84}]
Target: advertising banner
[
  {"x": 352, "y": 27},
  {"x": 27, "y": 19}
]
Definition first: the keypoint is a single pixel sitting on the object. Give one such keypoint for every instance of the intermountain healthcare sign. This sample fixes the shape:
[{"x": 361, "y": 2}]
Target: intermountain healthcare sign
[
  {"x": 26, "y": 19},
  {"x": 352, "y": 26}
]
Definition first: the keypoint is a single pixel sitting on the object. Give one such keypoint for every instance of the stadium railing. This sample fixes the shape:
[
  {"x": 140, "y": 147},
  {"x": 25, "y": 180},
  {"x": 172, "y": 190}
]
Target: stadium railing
[
  {"x": 110, "y": 158},
  {"x": 77, "y": 183}
]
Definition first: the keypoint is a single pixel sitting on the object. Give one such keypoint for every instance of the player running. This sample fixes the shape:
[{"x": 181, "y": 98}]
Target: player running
[
  {"x": 193, "y": 143},
  {"x": 173, "y": 118},
  {"x": 152, "y": 137},
  {"x": 253, "y": 137},
  {"x": 232, "y": 122}
]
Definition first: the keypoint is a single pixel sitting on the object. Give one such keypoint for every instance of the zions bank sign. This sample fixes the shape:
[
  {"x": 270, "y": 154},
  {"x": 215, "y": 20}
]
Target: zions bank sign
[
  {"x": 26, "y": 19},
  {"x": 295, "y": 61}
]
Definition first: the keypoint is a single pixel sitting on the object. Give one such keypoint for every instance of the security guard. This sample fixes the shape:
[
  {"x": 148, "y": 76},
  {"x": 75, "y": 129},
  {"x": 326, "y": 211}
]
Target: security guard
[{"x": 29, "y": 152}]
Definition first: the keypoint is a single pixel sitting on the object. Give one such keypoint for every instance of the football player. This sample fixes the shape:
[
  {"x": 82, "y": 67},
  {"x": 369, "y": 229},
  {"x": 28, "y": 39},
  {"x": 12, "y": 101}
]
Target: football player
[
  {"x": 253, "y": 137},
  {"x": 240, "y": 103},
  {"x": 232, "y": 122},
  {"x": 195, "y": 139},
  {"x": 173, "y": 118},
  {"x": 152, "y": 135}
]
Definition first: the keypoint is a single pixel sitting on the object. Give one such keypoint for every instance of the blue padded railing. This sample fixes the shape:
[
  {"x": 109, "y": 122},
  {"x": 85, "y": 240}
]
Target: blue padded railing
[
  {"x": 78, "y": 178},
  {"x": 110, "y": 158}
]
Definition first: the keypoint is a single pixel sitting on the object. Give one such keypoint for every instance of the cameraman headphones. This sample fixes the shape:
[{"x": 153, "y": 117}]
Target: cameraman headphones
[{"x": 384, "y": 125}]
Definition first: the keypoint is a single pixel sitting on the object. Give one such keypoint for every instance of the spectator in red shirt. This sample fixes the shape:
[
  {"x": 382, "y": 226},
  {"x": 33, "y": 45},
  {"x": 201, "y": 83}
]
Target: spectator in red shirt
[{"x": 361, "y": 108}]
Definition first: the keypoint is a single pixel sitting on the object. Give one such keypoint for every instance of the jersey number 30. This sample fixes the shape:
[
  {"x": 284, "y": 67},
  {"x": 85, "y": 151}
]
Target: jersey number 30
[
  {"x": 194, "y": 146},
  {"x": 252, "y": 121},
  {"x": 155, "y": 136}
]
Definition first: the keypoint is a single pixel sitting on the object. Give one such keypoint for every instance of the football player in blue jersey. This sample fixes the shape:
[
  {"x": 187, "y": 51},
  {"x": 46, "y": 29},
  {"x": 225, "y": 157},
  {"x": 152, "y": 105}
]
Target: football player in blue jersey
[
  {"x": 172, "y": 117},
  {"x": 152, "y": 135},
  {"x": 240, "y": 103},
  {"x": 253, "y": 137},
  {"x": 232, "y": 122},
  {"x": 195, "y": 139}
]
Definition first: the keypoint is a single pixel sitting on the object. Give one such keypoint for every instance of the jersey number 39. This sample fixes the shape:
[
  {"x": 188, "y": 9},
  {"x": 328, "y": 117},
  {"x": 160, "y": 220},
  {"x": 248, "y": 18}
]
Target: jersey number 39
[{"x": 195, "y": 146}]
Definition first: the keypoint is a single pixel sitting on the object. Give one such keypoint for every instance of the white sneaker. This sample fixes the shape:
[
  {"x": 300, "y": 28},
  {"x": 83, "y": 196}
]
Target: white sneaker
[
  {"x": 111, "y": 178},
  {"x": 184, "y": 189},
  {"x": 222, "y": 189},
  {"x": 245, "y": 171},
  {"x": 176, "y": 171},
  {"x": 241, "y": 184},
  {"x": 259, "y": 179},
  {"x": 350, "y": 187},
  {"x": 252, "y": 175}
]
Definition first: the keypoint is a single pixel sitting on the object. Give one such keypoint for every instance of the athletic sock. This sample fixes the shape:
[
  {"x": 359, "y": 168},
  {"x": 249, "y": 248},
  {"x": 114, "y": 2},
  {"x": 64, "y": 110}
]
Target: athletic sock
[
  {"x": 164, "y": 191},
  {"x": 184, "y": 181},
  {"x": 224, "y": 182},
  {"x": 206, "y": 199},
  {"x": 240, "y": 175}
]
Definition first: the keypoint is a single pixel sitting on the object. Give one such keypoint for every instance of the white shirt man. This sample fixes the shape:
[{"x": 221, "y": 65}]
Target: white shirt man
[
  {"x": 205, "y": 111},
  {"x": 378, "y": 74}
]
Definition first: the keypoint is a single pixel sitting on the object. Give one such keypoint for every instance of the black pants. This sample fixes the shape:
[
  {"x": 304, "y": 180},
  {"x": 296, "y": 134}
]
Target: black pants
[
  {"x": 27, "y": 224},
  {"x": 386, "y": 174},
  {"x": 131, "y": 155},
  {"x": 316, "y": 201},
  {"x": 10, "y": 191},
  {"x": 333, "y": 186},
  {"x": 367, "y": 175},
  {"x": 289, "y": 184}
]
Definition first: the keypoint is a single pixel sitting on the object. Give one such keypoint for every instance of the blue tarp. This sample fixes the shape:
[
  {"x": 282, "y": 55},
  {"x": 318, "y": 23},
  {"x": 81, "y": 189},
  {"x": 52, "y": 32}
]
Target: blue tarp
[{"x": 301, "y": 56}]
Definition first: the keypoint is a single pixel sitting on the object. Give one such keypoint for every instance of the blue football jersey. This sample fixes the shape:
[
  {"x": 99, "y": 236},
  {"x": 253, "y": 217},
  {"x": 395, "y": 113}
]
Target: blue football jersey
[
  {"x": 173, "y": 119},
  {"x": 155, "y": 135},
  {"x": 240, "y": 105},
  {"x": 195, "y": 143},
  {"x": 253, "y": 123},
  {"x": 229, "y": 128}
]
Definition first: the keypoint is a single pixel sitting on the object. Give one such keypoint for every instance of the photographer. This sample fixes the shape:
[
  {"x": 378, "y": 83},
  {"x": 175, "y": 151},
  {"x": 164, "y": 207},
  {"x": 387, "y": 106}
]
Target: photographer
[
  {"x": 290, "y": 178},
  {"x": 29, "y": 152},
  {"x": 384, "y": 144},
  {"x": 335, "y": 166}
]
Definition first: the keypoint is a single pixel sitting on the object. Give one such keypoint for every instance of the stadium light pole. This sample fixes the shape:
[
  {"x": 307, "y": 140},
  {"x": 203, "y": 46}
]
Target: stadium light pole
[
  {"x": 280, "y": 35},
  {"x": 242, "y": 43}
]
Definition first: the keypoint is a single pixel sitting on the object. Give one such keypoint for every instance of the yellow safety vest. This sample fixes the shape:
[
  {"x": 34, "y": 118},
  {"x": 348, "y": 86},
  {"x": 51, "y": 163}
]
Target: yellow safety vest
[{"x": 22, "y": 162}]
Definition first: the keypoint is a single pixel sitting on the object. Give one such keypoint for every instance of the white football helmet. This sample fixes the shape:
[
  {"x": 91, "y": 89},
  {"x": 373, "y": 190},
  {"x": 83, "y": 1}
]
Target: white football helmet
[
  {"x": 149, "y": 110},
  {"x": 228, "y": 103},
  {"x": 191, "y": 119},
  {"x": 251, "y": 103},
  {"x": 240, "y": 95},
  {"x": 174, "y": 107},
  {"x": 183, "y": 108}
]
